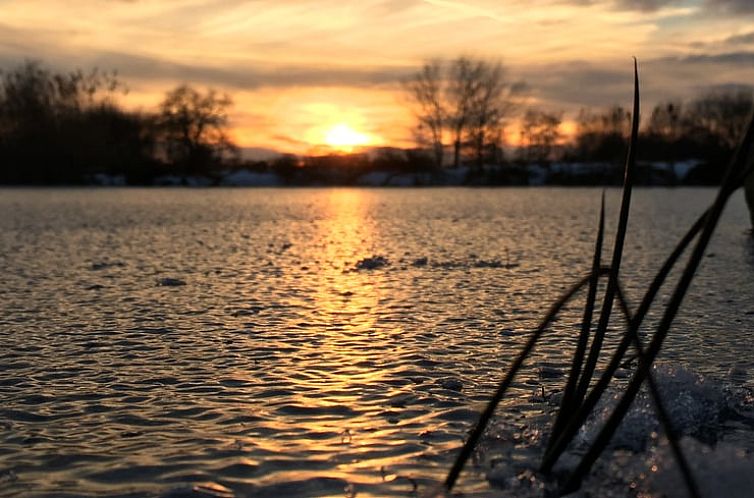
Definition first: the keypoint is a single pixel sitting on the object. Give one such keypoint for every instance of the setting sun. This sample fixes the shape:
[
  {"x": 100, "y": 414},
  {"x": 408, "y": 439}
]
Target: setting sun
[{"x": 345, "y": 138}]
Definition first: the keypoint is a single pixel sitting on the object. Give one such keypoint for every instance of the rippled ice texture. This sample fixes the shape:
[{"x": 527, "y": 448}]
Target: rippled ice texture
[{"x": 306, "y": 342}]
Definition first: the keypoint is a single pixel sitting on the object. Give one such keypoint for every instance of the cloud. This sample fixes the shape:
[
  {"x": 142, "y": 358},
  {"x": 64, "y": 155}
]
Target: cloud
[
  {"x": 719, "y": 6},
  {"x": 729, "y": 87},
  {"x": 639, "y": 5},
  {"x": 731, "y": 6},
  {"x": 728, "y": 58},
  {"x": 287, "y": 139},
  {"x": 247, "y": 76},
  {"x": 645, "y": 5},
  {"x": 743, "y": 39},
  {"x": 576, "y": 84}
]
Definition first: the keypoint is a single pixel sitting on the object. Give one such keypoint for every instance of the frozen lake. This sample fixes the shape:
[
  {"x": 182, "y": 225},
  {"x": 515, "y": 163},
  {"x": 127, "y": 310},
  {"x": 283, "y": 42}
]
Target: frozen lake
[{"x": 156, "y": 339}]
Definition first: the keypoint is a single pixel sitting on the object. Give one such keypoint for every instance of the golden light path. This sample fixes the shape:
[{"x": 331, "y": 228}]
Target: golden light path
[{"x": 350, "y": 351}]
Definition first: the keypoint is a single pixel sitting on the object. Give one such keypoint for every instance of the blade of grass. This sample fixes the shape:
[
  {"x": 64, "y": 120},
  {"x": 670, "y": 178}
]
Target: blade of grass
[
  {"x": 738, "y": 165},
  {"x": 489, "y": 410},
  {"x": 566, "y": 405},
  {"x": 579, "y": 417},
  {"x": 662, "y": 414},
  {"x": 620, "y": 237}
]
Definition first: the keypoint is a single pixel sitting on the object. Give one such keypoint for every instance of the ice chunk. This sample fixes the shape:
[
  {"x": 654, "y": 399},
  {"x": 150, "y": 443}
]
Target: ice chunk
[
  {"x": 170, "y": 282},
  {"x": 372, "y": 263}
]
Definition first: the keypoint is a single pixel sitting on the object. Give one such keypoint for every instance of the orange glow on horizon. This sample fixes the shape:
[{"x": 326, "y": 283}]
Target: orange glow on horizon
[
  {"x": 338, "y": 128},
  {"x": 344, "y": 138},
  {"x": 297, "y": 68}
]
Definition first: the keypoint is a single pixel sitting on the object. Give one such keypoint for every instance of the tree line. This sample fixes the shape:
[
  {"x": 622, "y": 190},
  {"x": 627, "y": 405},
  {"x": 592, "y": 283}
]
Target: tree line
[
  {"x": 463, "y": 106},
  {"x": 66, "y": 127}
]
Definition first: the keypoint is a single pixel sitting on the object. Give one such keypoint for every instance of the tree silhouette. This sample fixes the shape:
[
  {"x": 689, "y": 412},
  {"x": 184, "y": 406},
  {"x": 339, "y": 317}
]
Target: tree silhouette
[
  {"x": 540, "y": 132},
  {"x": 720, "y": 114},
  {"x": 493, "y": 101},
  {"x": 425, "y": 88},
  {"x": 667, "y": 121},
  {"x": 464, "y": 85},
  {"x": 62, "y": 127},
  {"x": 602, "y": 136},
  {"x": 194, "y": 127},
  {"x": 469, "y": 98}
]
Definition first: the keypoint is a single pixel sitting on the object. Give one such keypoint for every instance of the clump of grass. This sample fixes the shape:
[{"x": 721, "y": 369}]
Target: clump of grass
[{"x": 581, "y": 394}]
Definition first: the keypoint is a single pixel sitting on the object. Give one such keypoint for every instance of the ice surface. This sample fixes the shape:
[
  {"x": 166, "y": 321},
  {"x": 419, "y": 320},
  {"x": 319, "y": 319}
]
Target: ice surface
[
  {"x": 724, "y": 470},
  {"x": 638, "y": 459}
]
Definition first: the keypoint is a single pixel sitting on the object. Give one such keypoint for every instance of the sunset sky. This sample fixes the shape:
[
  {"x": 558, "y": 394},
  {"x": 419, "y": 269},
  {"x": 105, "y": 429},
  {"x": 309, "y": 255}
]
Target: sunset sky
[{"x": 300, "y": 70}]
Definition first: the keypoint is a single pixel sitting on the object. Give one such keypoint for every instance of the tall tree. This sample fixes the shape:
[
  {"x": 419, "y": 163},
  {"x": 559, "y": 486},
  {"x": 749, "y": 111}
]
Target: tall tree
[
  {"x": 467, "y": 98},
  {"x": 65, "y": 126},
  {"x": 720, "y": 114},
  {"x": 425, "y": 88},
  {"x": 666, "y": 121},
  {"x": 602, "y": 136},
  {"x": 194, "y": 128},
  {"x": 464, "y": 85},
  {"x": 493, "y": 101},
  {"x": 540, "y": 132}
]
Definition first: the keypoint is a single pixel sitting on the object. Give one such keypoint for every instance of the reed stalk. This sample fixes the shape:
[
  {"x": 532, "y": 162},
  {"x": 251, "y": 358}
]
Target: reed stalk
[
  {"x": 738, "y": 165},
  {"x": 578, "y": 401},
  {"x": 489, "y": 410},
  {"x": 620, "y": 237},
  {"x": 567, "y": 404}
]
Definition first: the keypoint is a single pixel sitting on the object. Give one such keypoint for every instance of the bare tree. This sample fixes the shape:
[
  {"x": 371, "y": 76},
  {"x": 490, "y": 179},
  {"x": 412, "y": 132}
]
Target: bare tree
[
  {"x": 31, "y": 92},
  {"x": 467, "y": 98},
  {"x": 194, "y": 127},
  {"x": 540, "y": 132},
  {"x": 492, "y": 103},
  {"x": 426, "y": 89},
  {"x": 722, "y": 115},
  {"x": 666, "y": 121},
  {"x": 602, "y": 136},
  {"x": 63, "y": 126},
  {"x": 463, "y": 87}
]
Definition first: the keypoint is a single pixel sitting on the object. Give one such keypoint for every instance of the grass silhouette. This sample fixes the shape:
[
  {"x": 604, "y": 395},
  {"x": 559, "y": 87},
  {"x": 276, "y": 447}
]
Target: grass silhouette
[{"x": 580, "y": 397}]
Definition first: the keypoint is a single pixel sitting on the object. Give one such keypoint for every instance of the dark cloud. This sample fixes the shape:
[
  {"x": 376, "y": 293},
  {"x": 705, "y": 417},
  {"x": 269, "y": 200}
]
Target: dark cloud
[
  {"x": 744, "y": 39},
  {"x": 719, "y": 6},
  {"x": 729, "y": 58},
  {"x": 645, "y": 5},
  {"x": 290, "y": 140},
  {"x": 245, "y": 77},
  {"x": 570, "y": 86},
  {"x": 19, "y": 44},
  {"x": 565, "y": 85},
  {"x": 641, "y": 5},
  {"x": 578, "y": 84},
  {"x": 731, "y": 6},
  {"x": 729, "y": 87}
]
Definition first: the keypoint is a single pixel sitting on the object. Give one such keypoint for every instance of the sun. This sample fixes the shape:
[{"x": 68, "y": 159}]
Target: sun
[{"x": 345, "y": 138}]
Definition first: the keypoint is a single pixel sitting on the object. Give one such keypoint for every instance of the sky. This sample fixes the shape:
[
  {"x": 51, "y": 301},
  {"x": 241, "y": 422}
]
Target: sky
[{"x": 304, "y": 73}]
